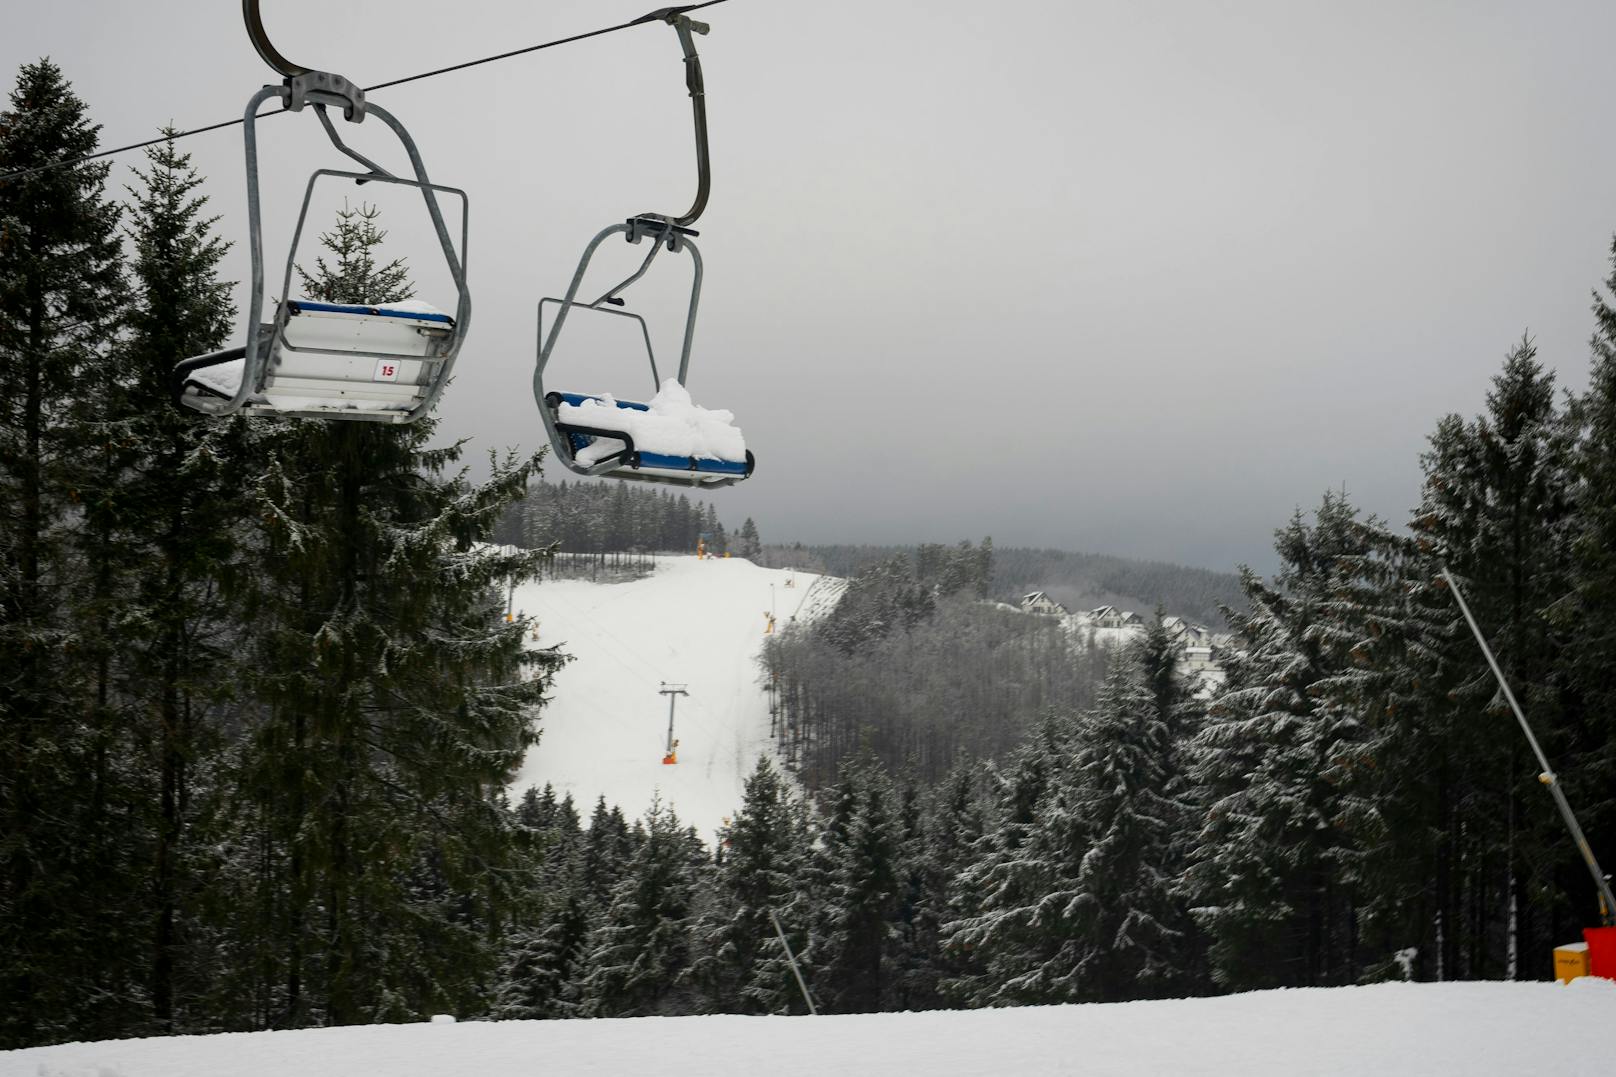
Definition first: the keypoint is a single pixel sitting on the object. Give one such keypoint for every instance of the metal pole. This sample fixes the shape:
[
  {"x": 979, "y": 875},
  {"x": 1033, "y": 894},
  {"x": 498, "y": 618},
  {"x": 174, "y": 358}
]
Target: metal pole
[
  {"x": 1607, "y": 902},
  {"x": 673, "y": 692},
  {"x": 795, "y": 970}
]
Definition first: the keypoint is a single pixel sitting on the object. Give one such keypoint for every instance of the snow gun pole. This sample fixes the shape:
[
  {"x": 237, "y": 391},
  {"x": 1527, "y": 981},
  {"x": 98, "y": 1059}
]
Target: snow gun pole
[
  {"x": 1607, "y": 902},
  {"x": 791, "y": 957}
]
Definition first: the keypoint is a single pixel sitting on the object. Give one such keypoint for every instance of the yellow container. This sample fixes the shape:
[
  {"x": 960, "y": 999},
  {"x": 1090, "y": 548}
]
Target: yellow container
[{"x": 1570, "y": 961}]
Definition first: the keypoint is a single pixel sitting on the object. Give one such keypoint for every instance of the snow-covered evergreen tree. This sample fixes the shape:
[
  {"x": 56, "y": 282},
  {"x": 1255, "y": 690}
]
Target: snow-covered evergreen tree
[
  {"x": 1264, "y": 872},
  {"x": 751, "y": 545},
  {"x": 538, "y": 976},
  {"x": 1588, "y": 762},
  {"x": 69, "y": 851},
  {"x": 642, "y": 946},
  {"x": 356, "y": 274},
  {"x": 1497, "y": 507},
  {"x": 949, "y": 828},
  {"x": 860, "y": 861},
  {"x": 607, "y": 847},
  {"x": 1073, "y": 896},
  {"x": 739, "y": 963},
  {"x": 169, "y": 500},
  {"x": 398, "y": 702},
  {"x": 1121, "y": 903},
  {"x": 994, "y": 938}
]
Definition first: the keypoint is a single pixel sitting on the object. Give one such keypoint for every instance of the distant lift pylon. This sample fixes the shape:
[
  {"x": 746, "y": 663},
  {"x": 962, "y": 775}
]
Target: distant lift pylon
[
  {"x": 628, "y": 460},
  {"x": 673, "y": 692}
]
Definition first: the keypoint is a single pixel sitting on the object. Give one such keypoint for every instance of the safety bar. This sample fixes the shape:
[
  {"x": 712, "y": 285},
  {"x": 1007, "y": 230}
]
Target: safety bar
[{"x": 645, "y": 332}]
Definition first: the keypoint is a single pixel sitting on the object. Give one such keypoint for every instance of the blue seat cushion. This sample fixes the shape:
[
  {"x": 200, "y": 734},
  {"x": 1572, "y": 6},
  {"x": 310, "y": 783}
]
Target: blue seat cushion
[{"x": 297, "y": 306}]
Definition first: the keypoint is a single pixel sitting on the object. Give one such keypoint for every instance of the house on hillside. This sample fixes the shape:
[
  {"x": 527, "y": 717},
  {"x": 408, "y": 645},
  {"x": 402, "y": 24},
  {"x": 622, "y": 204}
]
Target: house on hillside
[
  {"x": 1111, "y": 617},
  {"x": 1198, "y": 648},
  {"x": 1186, "y": 633},
  {"x": 1039, "y": 602}
]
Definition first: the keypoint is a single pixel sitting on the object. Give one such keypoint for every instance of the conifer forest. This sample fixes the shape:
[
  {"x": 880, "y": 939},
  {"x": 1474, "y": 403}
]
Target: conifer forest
[{"x": 261, "y": 707}]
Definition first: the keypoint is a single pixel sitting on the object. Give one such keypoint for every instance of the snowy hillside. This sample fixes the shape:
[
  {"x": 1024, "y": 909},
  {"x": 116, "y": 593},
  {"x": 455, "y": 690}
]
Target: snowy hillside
[
  {"x": 1388, "y": 1030},
  {"x": 696, "y": 623}
]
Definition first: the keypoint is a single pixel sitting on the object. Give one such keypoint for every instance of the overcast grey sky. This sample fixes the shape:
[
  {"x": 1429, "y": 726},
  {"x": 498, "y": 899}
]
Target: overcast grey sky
[{"x": 1125, "y": 277}]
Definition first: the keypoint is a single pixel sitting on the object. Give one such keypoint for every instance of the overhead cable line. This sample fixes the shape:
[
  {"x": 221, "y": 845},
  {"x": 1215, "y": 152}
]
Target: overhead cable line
[{"x": 654, "y": 16}]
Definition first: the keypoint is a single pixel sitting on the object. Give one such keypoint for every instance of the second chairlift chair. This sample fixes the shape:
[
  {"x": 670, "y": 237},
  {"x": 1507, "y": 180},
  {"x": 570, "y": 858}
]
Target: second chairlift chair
[
  {"x": 384, "y": 363},
  {"x": 642, "y": 462}
]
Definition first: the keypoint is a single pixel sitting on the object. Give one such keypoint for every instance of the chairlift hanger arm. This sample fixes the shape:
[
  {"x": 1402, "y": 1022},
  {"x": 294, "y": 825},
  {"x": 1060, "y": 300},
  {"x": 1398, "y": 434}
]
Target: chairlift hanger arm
[
  {"x": 686, "y": 27},
  {"x": 260, "y": 39}
]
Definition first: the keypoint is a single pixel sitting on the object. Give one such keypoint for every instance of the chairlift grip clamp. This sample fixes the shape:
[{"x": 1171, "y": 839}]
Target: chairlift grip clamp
[
  {"x": 660, "y": 226},
  {"x": 685, "y": 26},
  {"x": 304, "y": 85},
  {"x": 325, "y": 88}
]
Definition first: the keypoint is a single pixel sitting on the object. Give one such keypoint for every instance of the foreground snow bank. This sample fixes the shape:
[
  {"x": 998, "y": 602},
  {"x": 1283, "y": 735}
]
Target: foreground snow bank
[
  {"x": 675, "y": 426},
  {"x": 1389, "y": 1029}
]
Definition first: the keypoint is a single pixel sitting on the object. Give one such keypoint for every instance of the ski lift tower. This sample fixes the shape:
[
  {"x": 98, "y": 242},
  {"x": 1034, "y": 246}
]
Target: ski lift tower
[{"x": 673, "y": 692}]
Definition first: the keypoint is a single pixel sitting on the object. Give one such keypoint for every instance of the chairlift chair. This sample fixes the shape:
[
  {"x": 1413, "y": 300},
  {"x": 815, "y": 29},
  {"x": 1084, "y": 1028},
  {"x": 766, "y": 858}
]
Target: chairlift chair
[
  {"x": 380, "y": 363},
  {"x": 605, "y": 449}
]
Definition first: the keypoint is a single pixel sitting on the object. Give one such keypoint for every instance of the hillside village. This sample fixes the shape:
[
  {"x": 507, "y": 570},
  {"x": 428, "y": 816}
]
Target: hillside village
[{"x": 1200, "y": 648}]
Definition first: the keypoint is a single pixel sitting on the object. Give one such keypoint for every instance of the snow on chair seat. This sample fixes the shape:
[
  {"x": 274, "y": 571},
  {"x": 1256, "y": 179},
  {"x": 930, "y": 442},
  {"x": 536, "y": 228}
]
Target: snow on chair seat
[
  {"x": 668, "y": 438},
  {"x": 312, "y": 366}
]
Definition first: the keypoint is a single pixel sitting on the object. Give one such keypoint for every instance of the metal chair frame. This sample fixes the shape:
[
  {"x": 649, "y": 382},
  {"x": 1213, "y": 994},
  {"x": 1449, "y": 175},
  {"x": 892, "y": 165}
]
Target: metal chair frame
[
  {"x": 321, "y": 90},
  {"x": 665, "y": 232}
]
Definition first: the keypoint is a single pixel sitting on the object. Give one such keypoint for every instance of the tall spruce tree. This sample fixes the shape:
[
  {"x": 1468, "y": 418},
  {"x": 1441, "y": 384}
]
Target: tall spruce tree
[
  {"x": 751, "y": 545},
  {"x": 1264, "y": 872},
  {"x": 356, "y": 275},
  {"x": 1497, "y": 508},
  {"x": 642, "y": 947},
  {"x": 861, "y": 847},
  {"x": 66, "y": 861},
  {"x": 739, "y": 964},
  {"x": 950, "y": 829},
  {"x": 1588, "y": 752},
  {"x": 396, "y": 703},
  {"x": 173, "y": 500},
  {"x": 1390, "y": 645},
  {"x": 1076, "y": 891},
  {"x": 996, "y": 939},
  {"x": 539, "y": 974}
]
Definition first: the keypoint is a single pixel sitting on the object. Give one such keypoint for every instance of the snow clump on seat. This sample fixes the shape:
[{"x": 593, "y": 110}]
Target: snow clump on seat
[{"x": 674, "y": 426}]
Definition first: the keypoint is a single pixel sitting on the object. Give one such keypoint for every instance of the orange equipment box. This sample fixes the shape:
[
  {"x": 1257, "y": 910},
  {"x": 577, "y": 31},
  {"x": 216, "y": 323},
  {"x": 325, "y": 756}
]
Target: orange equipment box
[{"x": 1570, "y": 961}]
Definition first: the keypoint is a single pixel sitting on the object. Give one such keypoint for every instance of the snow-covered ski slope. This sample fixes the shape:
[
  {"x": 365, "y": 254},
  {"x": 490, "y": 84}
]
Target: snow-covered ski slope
[
  {"x": 699, "y": 623},
  {"x": 1389, "y": 1030}
]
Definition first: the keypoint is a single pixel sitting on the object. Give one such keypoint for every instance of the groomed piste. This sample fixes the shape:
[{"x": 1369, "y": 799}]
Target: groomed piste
[
  {"x": 1387, "y": 1030},
  {"x": 699, "y": 623}
]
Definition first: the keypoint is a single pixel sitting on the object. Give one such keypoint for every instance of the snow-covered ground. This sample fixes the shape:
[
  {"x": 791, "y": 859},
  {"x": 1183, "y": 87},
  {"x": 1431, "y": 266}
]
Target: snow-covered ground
[
  {"x": 699, "y": 623},
  {"x": 1390, "y": 1030}
]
